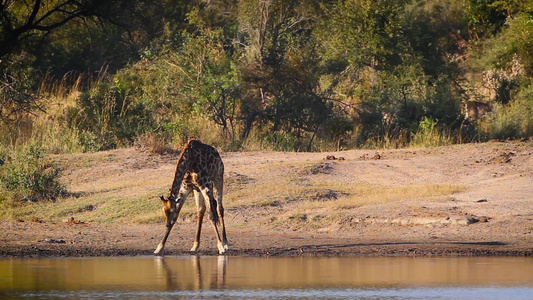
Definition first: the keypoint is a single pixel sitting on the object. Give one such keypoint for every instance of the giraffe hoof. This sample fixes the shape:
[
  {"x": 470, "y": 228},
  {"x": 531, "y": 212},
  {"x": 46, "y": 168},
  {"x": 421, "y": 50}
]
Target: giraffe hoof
[
  {"x": 195, "y": 247},
  {"x": 221, "y": 249},
  {"x": 159, "y": 250}
]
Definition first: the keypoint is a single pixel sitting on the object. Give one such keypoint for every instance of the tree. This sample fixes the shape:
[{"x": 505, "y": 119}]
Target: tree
[
  {"x": 390, "y": 62},
  {"x": 22, "y": 20},
  {"x": 17, "y": 92},
  {"x": 28, "y": 23},
  {"x": 486, "y": 17},
  {"x": 280, "y": 69},
  {"x": 81, "y": 36}
]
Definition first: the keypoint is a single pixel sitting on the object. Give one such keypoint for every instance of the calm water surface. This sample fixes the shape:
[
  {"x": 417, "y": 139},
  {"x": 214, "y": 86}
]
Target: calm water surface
[{"x": 222, "y": 277}]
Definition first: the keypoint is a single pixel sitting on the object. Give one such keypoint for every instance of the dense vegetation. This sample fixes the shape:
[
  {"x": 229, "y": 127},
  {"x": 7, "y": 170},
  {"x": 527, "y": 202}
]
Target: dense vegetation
[{"x": 308, "y": 75}]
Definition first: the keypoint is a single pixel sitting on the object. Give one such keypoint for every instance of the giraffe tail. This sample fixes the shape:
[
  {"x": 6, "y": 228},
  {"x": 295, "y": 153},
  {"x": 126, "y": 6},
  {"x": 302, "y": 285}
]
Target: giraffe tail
[{"x": 213, "y": 209}]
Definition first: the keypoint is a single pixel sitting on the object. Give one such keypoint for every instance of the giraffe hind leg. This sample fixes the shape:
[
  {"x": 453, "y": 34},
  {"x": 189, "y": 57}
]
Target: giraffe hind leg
[
  {"x": 218, "y": 189},
  {"x": 207, "y": 193},
  {"x": 220, "y": 211}
]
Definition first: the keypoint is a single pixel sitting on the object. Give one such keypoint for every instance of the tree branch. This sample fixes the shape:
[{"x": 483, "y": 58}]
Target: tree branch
[
  {"x": 58, "y": 24},
  {"x": 36, "y": 7},
  {"x": 65, "y": 10},
  {"x": 58, "y": 8}
]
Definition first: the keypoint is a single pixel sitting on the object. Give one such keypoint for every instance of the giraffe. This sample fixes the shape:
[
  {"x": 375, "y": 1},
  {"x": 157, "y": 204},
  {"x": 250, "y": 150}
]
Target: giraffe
[{"x": 199, "y": 170}]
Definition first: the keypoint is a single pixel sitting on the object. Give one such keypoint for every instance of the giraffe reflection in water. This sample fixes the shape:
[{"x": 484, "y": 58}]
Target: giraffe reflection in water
[{"x": 197, "y": 278}]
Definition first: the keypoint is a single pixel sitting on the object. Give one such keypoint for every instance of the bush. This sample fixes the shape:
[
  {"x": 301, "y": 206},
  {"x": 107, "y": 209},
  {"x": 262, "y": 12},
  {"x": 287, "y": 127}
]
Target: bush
[
  {"x": 514, "y": 120},
  {"x": 282, "y": 141},
  {"x": 26, "y": 175},
  {"x": 429, "y": 135},
  {"x": 17, "y": 88},
  {"x": 107, "y": 117},
  {"x": 155, "y": 142}
]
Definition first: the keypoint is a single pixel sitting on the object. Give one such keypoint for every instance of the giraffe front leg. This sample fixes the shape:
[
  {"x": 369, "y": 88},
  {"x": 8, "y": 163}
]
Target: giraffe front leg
[
  {"x": 172, "y": 213},
  {"x": 196, "y": 243},
  {"x": 161, "y": 246},
  {"x": 157, "y": 250},
  {"x": 200, "y": 205}
]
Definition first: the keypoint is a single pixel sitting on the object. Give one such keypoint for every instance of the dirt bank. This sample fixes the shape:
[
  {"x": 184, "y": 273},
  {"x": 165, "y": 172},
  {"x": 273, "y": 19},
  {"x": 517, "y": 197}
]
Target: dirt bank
[{"x": 474, "y": 199}]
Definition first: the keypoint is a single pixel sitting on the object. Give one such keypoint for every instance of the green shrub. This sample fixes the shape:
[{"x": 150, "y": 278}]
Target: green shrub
[
  {"x": 107, "y": 117},
  {"x": 25, "y": 174},
  {"x": 429, "y": 135},
  {"x": 514, "y": 120},
  {"x": 282, "y": 141}
]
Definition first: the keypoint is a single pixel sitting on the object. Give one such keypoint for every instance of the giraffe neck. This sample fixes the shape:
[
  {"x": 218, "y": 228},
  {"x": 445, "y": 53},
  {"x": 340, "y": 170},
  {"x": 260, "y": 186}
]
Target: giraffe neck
[{"x": 183, "y": 163}]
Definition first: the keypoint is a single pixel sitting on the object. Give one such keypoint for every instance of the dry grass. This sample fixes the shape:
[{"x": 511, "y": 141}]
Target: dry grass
[
  {"x": 309, "y": 194},
  {"x": 323, "y": 204},
  {"x": 47, "y": 127},
  {"x": 123, "y": 186},
  {"x": 266, "y": 193},
  {"x": 353, "y": 196}
]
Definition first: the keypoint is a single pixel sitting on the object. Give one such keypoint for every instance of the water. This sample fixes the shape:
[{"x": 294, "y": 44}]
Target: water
[{"x": 222, "y": 277}]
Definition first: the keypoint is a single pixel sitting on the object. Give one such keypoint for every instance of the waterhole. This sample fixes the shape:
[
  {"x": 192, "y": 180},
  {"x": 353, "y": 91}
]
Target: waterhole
[{"x": 223, "y": 277}]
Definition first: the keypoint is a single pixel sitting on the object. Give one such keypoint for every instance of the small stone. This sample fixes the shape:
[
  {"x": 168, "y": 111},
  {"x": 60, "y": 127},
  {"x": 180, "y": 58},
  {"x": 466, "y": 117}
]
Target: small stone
[
  {"x": 472, "y": 220},
  {"x": 54, "y": 241}
]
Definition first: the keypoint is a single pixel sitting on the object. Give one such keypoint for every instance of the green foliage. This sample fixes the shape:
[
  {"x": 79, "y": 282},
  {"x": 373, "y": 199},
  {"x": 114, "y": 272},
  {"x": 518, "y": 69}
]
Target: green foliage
[
  {"x": 397, "y": 69},
  {"x": 81, "y": 36},
  {"x": 280, "y": 141},
  {"x": 107, "y": 117},
  {"x": 18, "y": 95},
  {"x": 429, "y": 135},
  {"x": 513, "y": 120},
  {"x": 25, "y": 174},
  {"x": 363, "y": 32},
  {"x": 487, "y": 16},
  {"x": 512, "y": 50},
  {"x": 285, "y": 75},
  {"x": 280, "y": 68},
  {"x": 507, "y": 61}
]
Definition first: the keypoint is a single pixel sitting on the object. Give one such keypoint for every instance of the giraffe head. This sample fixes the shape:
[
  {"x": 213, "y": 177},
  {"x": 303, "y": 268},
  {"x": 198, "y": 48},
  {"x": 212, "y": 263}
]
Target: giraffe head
[{"x": 169, "y": 206}]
